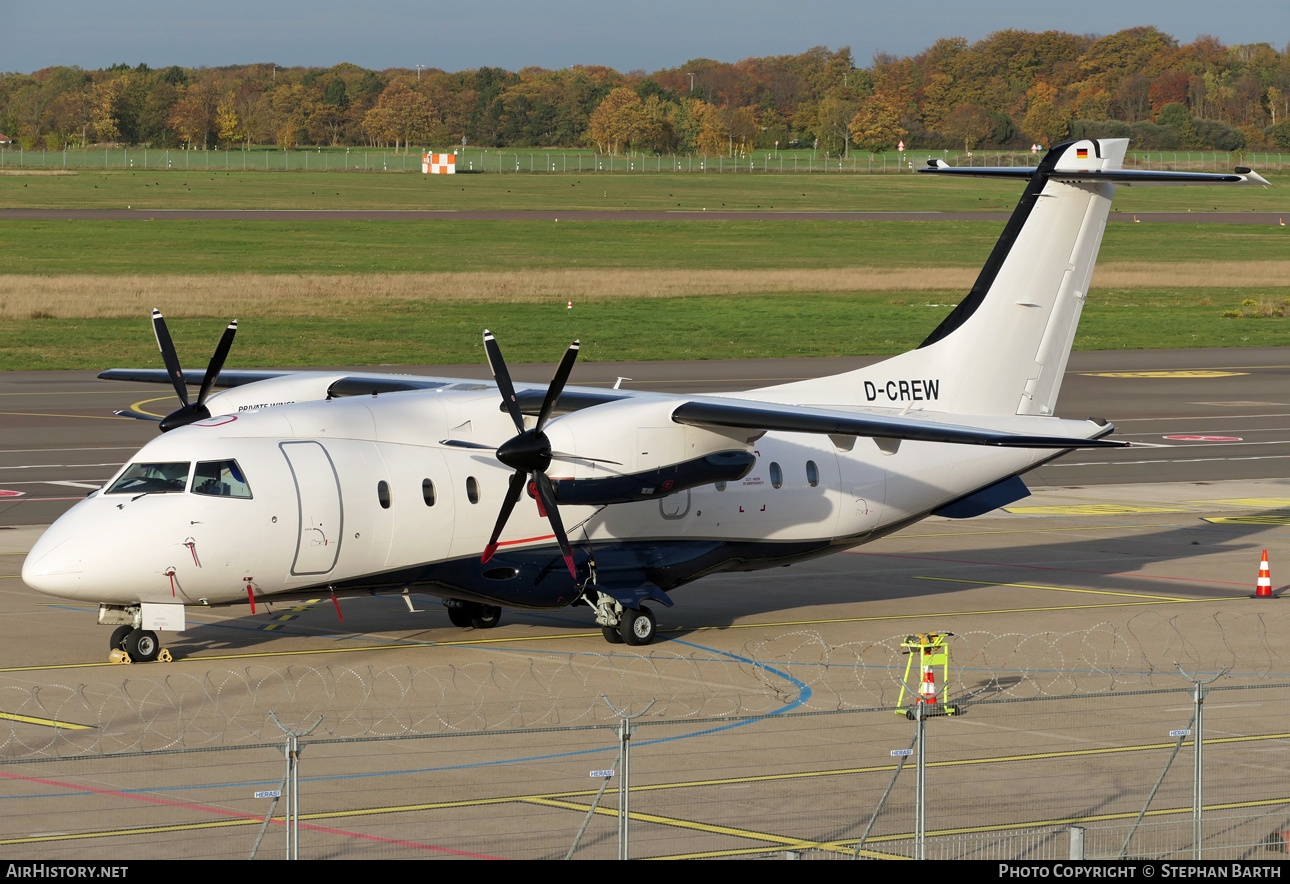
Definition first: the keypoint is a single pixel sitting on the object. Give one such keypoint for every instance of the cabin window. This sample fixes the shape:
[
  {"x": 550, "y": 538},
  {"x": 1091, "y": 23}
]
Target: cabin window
[
  {"x": 472, "y": 489},
  {"x": 220, "y": 478},
  {"x": 776, "y": 475},
  {"x": 152, "y": 478},
  {"x": 383, "y": 494},
  {"x": 812, "y": 474},
  {"x": 427, "y": 492}
]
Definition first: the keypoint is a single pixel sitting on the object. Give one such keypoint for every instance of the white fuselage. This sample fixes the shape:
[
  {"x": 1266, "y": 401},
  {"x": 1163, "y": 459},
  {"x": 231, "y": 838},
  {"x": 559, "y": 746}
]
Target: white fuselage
[{"x": 347, "y": 489}]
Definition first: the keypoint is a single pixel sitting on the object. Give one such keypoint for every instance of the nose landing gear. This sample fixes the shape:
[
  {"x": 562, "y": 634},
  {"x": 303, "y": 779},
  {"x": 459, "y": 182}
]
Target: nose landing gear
[
  {"x": 623, "y": 625},
  {"x": 130, "y": 645}
]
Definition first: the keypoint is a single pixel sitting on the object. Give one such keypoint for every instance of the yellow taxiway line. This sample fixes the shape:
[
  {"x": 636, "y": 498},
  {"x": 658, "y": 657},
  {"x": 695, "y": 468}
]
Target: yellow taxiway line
[
  {"x": 45, "y": 722},
  {"x": 1131, "y": 595}
]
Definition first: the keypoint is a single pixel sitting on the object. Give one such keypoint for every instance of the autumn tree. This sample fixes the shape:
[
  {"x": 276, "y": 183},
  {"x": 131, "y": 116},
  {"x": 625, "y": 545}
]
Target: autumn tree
[
  {"x": 1046, "y": 123},
  {"x": 193, "y": 116},
  {"x": 401, "y": 115},
  {"x": 877, "y": 127},
  {"x": 833, "y": 121},
  {"x": 714, "y": 133},
  {"x": 970, "y": 124},
  {"x": 103, "y": 116},
  {"x": 72, "y": 113},
  {"x": 227, "y": 126},
  {"x": 616, "y": 121},
  {"x": 290, "y": 108}
]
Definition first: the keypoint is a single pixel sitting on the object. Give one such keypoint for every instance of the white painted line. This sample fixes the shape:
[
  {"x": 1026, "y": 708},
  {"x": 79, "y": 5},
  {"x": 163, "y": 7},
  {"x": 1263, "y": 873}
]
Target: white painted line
[
  {"x": 61, "y": 466},
  {"x": 1126, "y": 463},
  {"x": 1202, "y": 417}
]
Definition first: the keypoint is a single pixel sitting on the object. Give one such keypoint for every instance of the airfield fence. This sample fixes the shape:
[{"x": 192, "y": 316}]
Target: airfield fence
[
  {"x": 558, "y": 161},
  {"x": 792, "y": 747}
]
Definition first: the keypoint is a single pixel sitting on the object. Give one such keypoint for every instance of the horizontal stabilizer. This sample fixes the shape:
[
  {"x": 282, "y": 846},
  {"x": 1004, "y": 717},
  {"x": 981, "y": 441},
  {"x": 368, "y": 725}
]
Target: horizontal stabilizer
[{"x": 1139, "y": 177}]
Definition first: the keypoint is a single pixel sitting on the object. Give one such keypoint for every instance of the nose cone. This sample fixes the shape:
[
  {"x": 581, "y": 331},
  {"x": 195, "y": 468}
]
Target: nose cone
[{"x": 55, "y": 565}]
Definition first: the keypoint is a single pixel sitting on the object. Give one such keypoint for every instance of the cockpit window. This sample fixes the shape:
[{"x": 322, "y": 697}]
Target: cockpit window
[
  {"x": 220, "y": 478},
  {"x": 151, "y": 478}
]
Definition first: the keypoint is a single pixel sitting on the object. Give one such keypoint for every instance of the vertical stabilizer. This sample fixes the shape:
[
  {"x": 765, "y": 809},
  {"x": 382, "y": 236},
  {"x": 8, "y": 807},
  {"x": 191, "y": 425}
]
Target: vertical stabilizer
[{"x": 1004, "y": 348}]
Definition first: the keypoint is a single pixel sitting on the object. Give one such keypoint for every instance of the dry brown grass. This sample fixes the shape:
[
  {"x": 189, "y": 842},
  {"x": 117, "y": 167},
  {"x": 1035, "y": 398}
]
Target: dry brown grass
[
  {"x": 1195, "y": 274},
  {"x": 22, "y": 296},
  {"x": 83, "y": 296}
]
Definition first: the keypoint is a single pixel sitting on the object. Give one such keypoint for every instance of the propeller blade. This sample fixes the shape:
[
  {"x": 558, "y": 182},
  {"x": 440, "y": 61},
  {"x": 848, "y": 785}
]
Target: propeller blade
[
  {"x": 459, "y": 443},
  {"x": 574, "y": 458},
  {"x": 136, "y": 415},
  {"x": 168, "y": 355},
  {"x": 217, "y": 361},
  {"x": 518, "y": 480},
  {"x": 546, "y": 494},
  {"x": 557, "y": 384},
  {"x": 503, "y": 378}
]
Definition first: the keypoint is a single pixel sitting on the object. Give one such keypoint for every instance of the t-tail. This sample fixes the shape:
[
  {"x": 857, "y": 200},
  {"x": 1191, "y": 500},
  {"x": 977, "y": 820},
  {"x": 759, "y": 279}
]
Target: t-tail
[{"x": 1003, "y": 349}]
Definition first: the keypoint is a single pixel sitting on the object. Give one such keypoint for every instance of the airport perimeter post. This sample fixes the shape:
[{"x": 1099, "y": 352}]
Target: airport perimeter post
[
  {"x": 292, "y": 751},
  {"x": 920, "y": 787},
  {"x": 624, "y": 784},
  {"x": 1198, "y": 762},
  {"x": 625, "y": 780}
]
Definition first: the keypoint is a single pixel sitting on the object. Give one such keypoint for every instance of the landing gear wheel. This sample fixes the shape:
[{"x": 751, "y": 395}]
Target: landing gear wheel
[
  {"x": 637, "y": 626},
  {"x": 117, "y": 641},
  {"x": 459, "y": 614},
  {"x": 611, "y": 635},
  {"x": 142, "y": 645},
  {"x": 486, "y": 616}
]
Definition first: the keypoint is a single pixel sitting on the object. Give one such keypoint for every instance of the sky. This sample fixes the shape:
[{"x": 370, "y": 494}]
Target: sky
[{"x": 625, "y": 35}]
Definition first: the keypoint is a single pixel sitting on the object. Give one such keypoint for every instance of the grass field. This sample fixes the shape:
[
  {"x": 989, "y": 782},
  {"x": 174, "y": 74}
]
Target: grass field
[
  {"x": 218, "y": 189},
  {"x": 363, "y": 247},
  {"x": 373, "y": 292},
  {"x": 710, "y": 327}
]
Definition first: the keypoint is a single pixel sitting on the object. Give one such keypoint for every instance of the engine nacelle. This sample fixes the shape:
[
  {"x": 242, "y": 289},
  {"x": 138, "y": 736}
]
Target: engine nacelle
[
  {"x": 721, "y": 466},
  {"x": 651, "y": 456}
]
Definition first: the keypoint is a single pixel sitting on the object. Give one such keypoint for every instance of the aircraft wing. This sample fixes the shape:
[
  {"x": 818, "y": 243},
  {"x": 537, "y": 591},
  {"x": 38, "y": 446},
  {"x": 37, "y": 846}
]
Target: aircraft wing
[
  {"x": 708, "y": 411},
  {"x": 230, "y": 378},
  {"x": 770, "y": 416}
]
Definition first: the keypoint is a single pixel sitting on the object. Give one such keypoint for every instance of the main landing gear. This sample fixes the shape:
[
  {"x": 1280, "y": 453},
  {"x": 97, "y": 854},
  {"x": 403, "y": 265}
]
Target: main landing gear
[
  {"x": 619, "y": 625},
  {"x": 136, "y": 646},
  {"x": 474, "y": 614}
]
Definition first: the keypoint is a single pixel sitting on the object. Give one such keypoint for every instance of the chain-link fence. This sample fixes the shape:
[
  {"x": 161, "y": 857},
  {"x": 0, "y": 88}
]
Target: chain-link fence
[
  {"x": 1040, "y": 746},
  {"x": 582, "y": 162}
]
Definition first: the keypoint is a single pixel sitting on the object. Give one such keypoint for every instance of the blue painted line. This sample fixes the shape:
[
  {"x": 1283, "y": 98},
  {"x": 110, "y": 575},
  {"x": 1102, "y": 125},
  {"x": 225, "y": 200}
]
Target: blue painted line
[{"x": 804, "y": 694}]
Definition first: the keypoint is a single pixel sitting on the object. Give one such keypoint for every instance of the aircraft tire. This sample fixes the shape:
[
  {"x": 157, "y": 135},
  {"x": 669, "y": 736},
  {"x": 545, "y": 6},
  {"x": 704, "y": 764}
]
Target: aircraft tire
[
  {"x": 611, "y": 635},
  {"x": 142, "y": 645},
  {"x": 461, "y": 615},
  {"x": 637, "y": 626},
  {"x": 486, "y": 616},
  {"x": 117, "y": 641}
]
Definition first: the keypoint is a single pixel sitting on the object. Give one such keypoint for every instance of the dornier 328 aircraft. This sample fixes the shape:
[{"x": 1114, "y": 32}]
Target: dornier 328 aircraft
[{"x": 295, "y": 484}]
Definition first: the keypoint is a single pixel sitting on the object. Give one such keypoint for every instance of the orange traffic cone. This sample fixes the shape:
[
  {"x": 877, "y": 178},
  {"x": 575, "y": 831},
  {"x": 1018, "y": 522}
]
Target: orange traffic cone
[
  {"x": 927, "y": 690},
  {"x": 1264, "y": 590}
]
